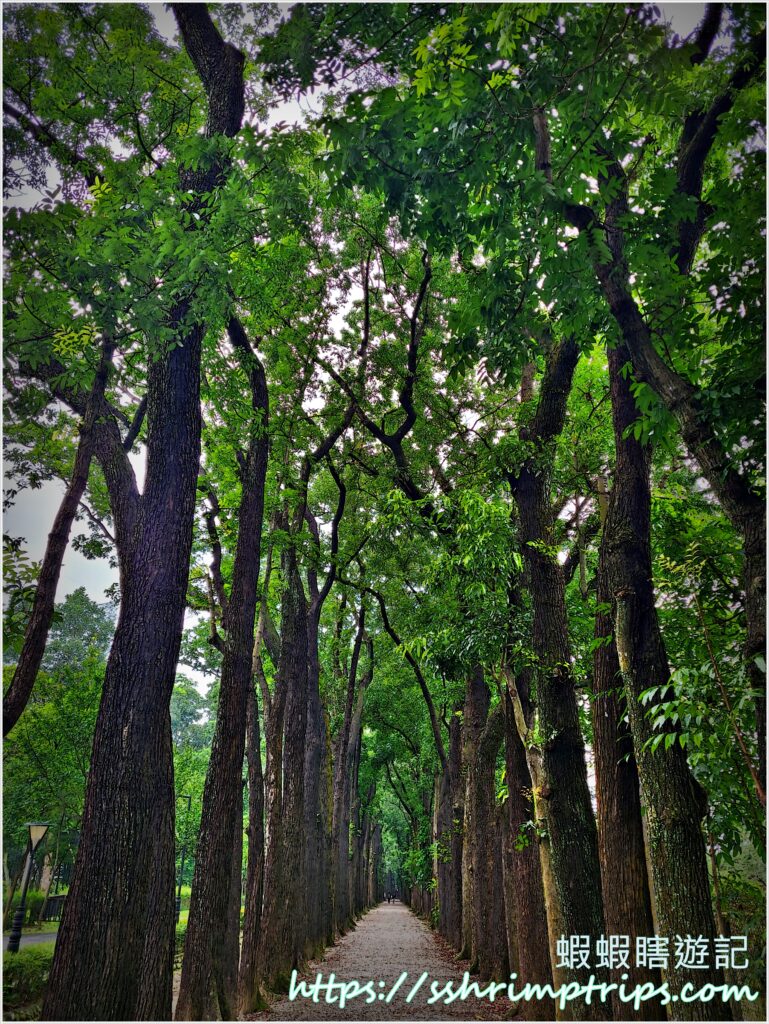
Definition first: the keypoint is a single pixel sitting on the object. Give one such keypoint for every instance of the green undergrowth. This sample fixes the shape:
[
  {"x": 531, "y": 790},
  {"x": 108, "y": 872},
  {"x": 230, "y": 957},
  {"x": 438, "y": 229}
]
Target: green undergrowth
[{"x": 25, "y": 976}]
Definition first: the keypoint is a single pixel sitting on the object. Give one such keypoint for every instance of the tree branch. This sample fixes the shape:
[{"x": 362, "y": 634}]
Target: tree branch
[
  {"x": 136, "y": 425},
  {"x": 434, "y": 723},
  {"x": 45, "y": 137}
]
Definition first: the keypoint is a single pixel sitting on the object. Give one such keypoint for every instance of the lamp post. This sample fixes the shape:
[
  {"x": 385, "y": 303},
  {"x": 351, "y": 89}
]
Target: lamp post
[
  {"x": 184, "y": 852},
  {"x": 37, "y": 831}
]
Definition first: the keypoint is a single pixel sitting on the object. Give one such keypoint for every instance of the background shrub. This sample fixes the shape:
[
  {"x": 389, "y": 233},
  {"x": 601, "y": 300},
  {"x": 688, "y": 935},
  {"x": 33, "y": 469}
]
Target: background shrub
[
  {"x": 25, "y": 974},
  {"x": 181, "y": 932},
  {"x": 35, "y": 900}
]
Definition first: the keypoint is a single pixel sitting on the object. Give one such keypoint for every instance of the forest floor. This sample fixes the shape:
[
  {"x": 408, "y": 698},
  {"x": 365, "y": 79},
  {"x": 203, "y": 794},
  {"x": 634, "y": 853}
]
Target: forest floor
[{"x": 388, "y": 941}]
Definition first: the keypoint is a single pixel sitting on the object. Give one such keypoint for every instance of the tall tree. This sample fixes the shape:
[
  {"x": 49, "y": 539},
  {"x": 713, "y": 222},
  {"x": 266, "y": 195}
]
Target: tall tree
[
  {"x": 111, "y": 962},
  {"x": 207, "y": 985}
]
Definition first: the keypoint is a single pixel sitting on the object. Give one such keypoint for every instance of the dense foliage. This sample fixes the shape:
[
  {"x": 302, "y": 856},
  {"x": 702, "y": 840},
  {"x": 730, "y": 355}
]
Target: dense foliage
[{"x": 429, "y": 432}]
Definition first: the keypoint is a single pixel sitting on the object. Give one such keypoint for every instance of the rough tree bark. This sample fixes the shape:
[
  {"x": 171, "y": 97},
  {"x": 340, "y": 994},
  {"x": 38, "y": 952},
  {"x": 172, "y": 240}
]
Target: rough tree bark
[
  {"x": 488, "y": 910},
  {"x": 282, "y": 934},
  {"x": 231, "y": 951},
  {"x": 626, "y": 895},
  {"x": 522, "y": 861},
  {"x": 341, "y": 820},
  {"x": 207, "y": 982},
  {"x": 255, "y": 871},
  {"x": 450, "y": 816},
  {"x": 563, "y": 794},
  {"x": 114, "y": 953},
  {"x": 476, "y": 709},
  {"x": 353, "y": 808},
  {"x": 675, "y": 804}
]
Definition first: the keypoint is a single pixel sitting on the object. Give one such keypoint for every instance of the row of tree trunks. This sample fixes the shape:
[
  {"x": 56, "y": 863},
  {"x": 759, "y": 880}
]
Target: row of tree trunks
[
  {"x": 281, "y": 939},
  {"x": 675, "y": 804},
  {"x": 341, "y": 800},
  {"x": 361, "y": 854},
  {"x": 450, "y": 806},
  {"x": 736, "y": 493},
  {"x": 318, "y": 767},
  {"x": 293, "y": 917},
  {"x": 296, "y": 798},
  {"x": 554, "y": 877},
  {"x": 315, "y": 771}
]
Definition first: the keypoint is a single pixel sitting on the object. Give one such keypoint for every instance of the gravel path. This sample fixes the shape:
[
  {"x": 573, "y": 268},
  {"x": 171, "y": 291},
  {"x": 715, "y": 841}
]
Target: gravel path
[{"x": 387, "y": 942}]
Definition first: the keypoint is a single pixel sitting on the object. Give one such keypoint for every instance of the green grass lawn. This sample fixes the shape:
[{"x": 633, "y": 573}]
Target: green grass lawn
[{"x": 49, "y": 927}]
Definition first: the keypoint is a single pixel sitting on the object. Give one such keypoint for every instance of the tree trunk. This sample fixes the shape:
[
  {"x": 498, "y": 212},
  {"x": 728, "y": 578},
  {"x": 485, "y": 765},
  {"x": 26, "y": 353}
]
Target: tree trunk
[
  {"x": 252, "y": 996},
  {"x": 36, "y": 633},
  {"x": 477, "y": 700},
  {"x": 744, "y": 508},
  {"x": 626, "y": 896},
  {"x": 206, "y": 984},
  {"x": 341, "y": 818},
  {"x": 232, "y": 929},
  {"x": 247, "y": 986},
  {"x": 282, "y": 935},
  {"x": 314, "y": 824},
  {"x": 674, "y": 802},
  {"x": 523, "y": 864},
  {"x": 126, "y": 843},
  {"x": 356, "y": 829},
  {"x": 353, "y": 766},
  {"x": 508, "y": 889},
  {"x": 375, "y": 859},
  {"x": 327, "y": 812},
  {"x": 442, "y": 857},
  {"x": 489, "y": 934},
  {"x": 450, "y": 817},
  {"x": 563, "y": 795},
  {"x": 114, "y": 952}
]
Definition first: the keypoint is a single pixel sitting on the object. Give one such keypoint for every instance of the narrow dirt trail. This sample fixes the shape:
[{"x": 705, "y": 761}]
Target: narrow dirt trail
[{"x": 387, "y": 942}]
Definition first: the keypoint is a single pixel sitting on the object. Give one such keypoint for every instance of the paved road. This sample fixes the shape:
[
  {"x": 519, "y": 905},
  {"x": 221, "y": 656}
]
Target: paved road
[
  {"x": 388, "y": 941},
  {"x": 32, "y": 939}
]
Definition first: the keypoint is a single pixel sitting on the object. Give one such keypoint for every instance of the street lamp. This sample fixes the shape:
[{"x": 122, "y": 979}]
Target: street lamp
[
  {"x": 184, "y": 851},
  {"x": 37, "y": 831}
]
